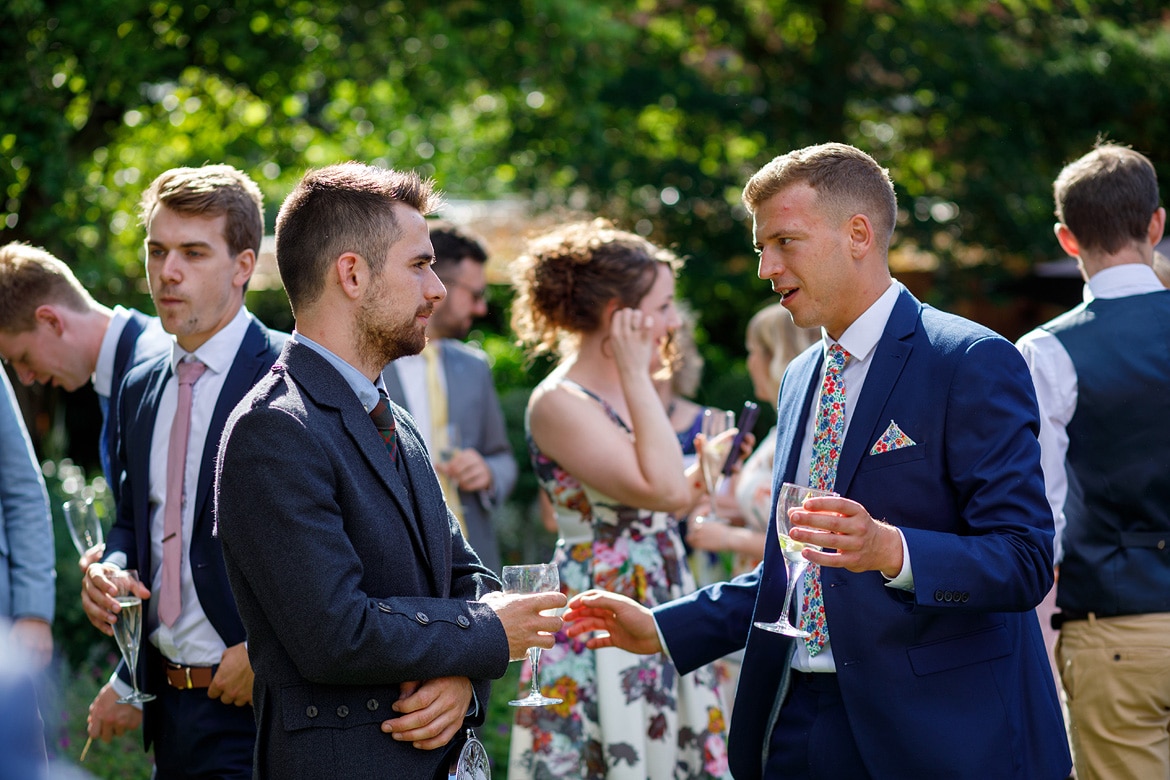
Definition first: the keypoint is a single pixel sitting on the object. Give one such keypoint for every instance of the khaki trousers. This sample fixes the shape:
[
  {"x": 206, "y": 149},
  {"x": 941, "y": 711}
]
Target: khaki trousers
[{"x": 1116, "y": 678}]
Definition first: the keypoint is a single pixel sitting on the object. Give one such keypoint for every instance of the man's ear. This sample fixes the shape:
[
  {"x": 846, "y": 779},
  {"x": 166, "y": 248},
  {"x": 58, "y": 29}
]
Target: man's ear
[
  {"x": 861, "y": 235},
  {"x": 245, "y": 267},
  {"x": 46, "y": 314},
  {"x": 352, "y": 274},
  {"x": 1157, "y": 226},
  {"x": 1068, "y": 242}
]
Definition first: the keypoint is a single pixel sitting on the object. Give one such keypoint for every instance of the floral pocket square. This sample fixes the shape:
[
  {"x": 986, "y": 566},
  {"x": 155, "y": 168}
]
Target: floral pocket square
[{"x": 892, "y": 439}]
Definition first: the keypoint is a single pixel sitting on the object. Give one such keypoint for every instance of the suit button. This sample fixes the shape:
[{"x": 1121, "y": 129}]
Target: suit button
[
  {"x": 343, "y": 711},
  {"x": 938, "y": 595},
  {"x": 463, "y": 621},
  {"x": 949, "y": 596},
  {"x": 311, "y": 711},
  {"x": 384, "y": 608},
  {"x": 422, "y": 618},
  {"x": 372, "y": 705},
  {"x": 966, "y": 596}
]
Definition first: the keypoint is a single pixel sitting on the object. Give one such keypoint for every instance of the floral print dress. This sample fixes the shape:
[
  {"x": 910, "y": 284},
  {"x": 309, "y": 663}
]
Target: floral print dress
[{"x": 624, "y": 716}]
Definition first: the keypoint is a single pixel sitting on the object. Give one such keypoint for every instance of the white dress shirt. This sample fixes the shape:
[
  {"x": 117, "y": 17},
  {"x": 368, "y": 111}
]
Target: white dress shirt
[
  {"x": 1055, "y": 379},
  {"x": 860, "y": 340},
  {"x": 192, "y": 640}
]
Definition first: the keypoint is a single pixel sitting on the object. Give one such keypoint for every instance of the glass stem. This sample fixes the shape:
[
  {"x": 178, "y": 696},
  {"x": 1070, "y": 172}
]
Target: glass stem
[
  {"x": 795, "y": 573},
  {"x": 534, "y": 659}
]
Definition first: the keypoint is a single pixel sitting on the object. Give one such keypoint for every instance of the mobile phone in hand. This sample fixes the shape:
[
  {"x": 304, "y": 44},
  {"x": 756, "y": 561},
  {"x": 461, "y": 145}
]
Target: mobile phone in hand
[{"x": 745, "y": 423}]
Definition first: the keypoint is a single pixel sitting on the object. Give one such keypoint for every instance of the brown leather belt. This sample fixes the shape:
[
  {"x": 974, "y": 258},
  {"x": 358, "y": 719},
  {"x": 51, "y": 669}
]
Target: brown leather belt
[{"x": 187, "y": 678}]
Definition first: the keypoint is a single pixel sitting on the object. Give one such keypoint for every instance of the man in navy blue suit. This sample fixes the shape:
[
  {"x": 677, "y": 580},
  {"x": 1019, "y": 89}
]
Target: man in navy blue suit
[
  {"x": 52, "y": 331},
  {"x": 204, "y": 227},
  {"x": 936, "y": 551}
]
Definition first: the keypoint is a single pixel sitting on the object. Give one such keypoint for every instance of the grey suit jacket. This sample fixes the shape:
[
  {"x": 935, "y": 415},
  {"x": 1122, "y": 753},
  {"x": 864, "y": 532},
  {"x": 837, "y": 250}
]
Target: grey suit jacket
[
  {"x": 350, "y": 574},
  {"x": 472, "y": 404},
  {"x": 27, "y": 586}
]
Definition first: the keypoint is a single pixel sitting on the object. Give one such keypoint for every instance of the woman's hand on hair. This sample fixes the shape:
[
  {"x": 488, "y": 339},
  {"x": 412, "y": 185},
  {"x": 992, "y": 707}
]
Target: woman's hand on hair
[{"x": 632, "y": 336}]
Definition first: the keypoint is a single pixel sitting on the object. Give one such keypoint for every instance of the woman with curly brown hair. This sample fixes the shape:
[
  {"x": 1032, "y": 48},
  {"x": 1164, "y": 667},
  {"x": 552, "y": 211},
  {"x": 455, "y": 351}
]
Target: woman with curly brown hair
[{"x": 604, "y": 451}]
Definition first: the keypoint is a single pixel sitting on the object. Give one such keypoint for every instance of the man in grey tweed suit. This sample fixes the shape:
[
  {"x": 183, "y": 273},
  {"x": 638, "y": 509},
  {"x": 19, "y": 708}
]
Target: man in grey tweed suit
[{"x": 372, "y": 625}]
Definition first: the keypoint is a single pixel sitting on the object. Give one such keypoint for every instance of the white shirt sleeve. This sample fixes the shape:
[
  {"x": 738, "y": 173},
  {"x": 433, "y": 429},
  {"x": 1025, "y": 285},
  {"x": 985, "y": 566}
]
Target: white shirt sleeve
[{"x": 1055, "y": 379}]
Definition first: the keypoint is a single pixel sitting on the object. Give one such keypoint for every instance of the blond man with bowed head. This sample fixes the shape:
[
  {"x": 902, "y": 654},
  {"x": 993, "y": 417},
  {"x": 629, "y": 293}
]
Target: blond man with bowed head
[
  {"x": 374, "y": 627},
  {"x": 924, "y": 657},
  {"x": 1101, "y": 372},
  {"x": 52, "y": 331},
  {"x": 203, "y": 231}
]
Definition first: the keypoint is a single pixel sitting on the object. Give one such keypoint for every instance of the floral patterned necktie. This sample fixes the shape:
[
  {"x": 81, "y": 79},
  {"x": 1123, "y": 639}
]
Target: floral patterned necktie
[{"x": 828, "y": 436}]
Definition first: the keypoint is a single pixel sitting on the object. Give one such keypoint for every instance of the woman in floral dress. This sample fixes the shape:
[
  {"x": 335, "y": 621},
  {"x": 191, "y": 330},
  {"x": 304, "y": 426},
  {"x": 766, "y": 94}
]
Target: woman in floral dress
[{"x": 604, "y": 451}]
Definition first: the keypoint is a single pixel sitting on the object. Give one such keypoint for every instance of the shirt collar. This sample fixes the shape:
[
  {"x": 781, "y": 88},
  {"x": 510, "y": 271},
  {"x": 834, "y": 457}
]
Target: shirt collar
[
  {"x": 1121, "y": 281},
  {"x": 103, "y": 373},
  {"x": 860, "y": 338},
  {"x": 366, "y": 391},
  {"x": 218, "y": 352}
]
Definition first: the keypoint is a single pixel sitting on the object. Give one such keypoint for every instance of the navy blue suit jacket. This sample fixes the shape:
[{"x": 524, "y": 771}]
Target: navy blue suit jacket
[
  {"x": 137, "y": 410},
  {"x": 952, "y": 679},
  {"x": 142, "y": 338}
]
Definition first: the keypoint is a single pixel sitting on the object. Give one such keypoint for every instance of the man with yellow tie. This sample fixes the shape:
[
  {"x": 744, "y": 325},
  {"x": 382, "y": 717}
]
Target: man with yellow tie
[{"x": 448, "y": 389}]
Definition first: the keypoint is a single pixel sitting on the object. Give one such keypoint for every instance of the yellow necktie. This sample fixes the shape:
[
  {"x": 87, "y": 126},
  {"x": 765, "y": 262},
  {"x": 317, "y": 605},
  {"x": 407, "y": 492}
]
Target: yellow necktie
[{"x": 438, "y": 402}]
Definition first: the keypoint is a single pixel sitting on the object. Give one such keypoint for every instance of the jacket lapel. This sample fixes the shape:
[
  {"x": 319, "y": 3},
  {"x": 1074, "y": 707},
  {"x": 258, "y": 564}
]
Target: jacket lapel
[
  {"x": 889, "y": 358},
  {"x": 250, "y": 364},
  {"x": 136, "y": 442},
  {"x": 796, "y": 398},
  {"x": 326, "y": 387}
]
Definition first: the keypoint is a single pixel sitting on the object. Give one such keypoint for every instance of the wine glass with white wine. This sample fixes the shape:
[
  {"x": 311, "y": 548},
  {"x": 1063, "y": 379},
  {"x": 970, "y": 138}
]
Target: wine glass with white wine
[
  {"x": 533, "y": 578},
  {"x": 791, "y": 497},
  {"x": 716, "y": 422},
  {"x": 128, "y": 630}
]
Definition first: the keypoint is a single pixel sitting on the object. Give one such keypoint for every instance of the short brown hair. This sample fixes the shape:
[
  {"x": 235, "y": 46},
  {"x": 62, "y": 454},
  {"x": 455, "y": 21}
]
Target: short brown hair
[
  {"x": 338, "y": 209},
  {"x": 31, "y": 277},
  {"x": 1107, "y": 197},
  {"x": 568, "y": 275},
  {"x": 847, "y": 181},
  {"x": 211, "y": 191},
  {"x": 453, "y": 245}
]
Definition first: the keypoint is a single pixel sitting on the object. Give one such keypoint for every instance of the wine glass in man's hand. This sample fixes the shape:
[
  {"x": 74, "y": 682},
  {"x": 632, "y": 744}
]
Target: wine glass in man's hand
[{"x": 533, "y": 578}]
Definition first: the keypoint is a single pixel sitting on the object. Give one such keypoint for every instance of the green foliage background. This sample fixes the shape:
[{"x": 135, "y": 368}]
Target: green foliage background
[{"x": 650, "y": 112}]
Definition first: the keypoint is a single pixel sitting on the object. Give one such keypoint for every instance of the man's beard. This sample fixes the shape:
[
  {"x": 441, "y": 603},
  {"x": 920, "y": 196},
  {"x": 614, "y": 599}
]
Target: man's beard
[{"x": 380, "y": 340}]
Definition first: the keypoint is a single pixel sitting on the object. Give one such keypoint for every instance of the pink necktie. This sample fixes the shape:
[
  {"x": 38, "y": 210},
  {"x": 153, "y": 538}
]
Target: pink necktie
[{"x": 170, "y": 601}]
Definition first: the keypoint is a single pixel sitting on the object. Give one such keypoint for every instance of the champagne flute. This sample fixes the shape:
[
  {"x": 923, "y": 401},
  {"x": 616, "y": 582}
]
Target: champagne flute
[
  {"x": 85, "y": 529},
  {"x": 450, "y": 443},
  {"x": 128, "y": 630},
  {"x": 533, "y": 578},
  {"x": 715, "y": 423},
  {"x": 791, "y": 497}
]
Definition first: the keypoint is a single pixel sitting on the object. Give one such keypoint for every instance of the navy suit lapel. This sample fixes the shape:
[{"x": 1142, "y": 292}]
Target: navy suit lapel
[
  {"x": 889, "y": 358},
  {"x": 250, "y": 364},
  {"x": 122, "y": 354},
  {"x": 137, "y": 442},
  {"x": 792, "y": 411}
]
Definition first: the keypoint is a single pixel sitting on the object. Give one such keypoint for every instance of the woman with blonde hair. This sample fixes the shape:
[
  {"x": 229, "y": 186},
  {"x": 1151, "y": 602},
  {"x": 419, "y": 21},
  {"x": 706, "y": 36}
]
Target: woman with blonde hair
[
  {"x": 773, "y": 340},
  {"x": 604, "y": 451}
]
